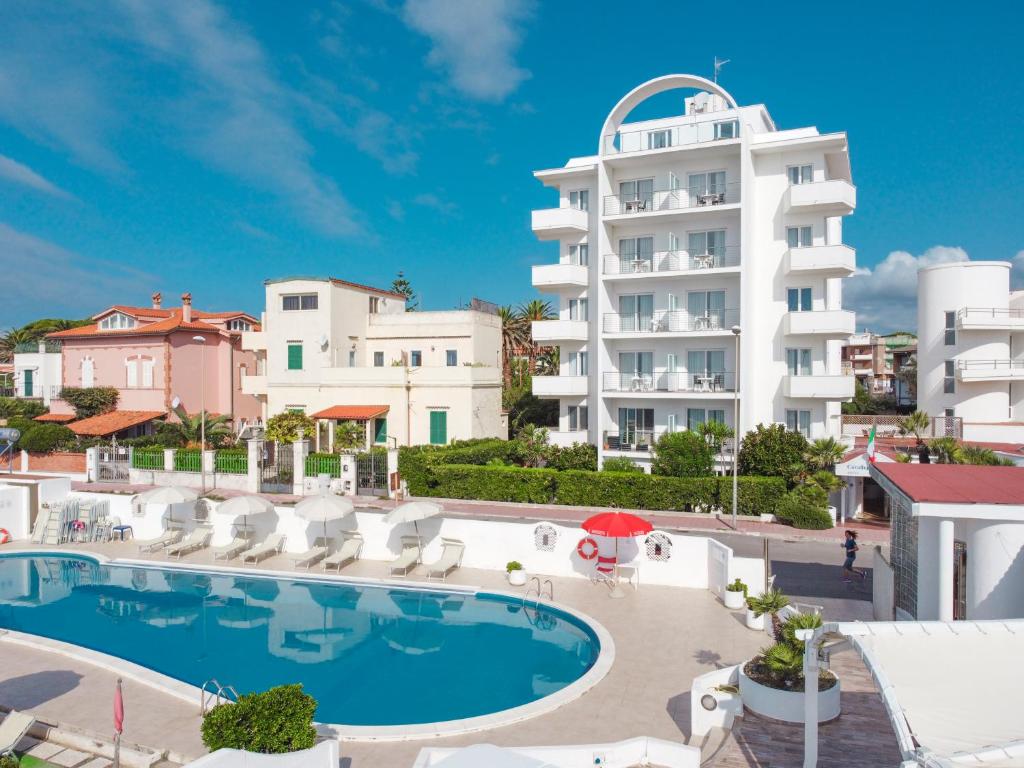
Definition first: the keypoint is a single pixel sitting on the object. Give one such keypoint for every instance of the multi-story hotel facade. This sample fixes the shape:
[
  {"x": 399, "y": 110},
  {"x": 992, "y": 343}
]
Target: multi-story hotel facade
[{"x": 700, "y": 270}]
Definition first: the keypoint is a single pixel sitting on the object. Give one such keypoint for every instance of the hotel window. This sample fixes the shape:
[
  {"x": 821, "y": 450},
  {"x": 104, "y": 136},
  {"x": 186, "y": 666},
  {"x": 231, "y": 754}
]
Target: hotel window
[
  {"x": 451, "y": 357},
  {"x": 580, "y": 199},
  {"x": 705, "y": 184},
  {"x": 578, "y": 309},
  {"x": 351, "y": 358},
  {"x": 798, "y": 237},
  {"x": 949, "y": 378},
  {"x": 238, "y": 324},
  {"x": 116, "y": 322},
  {"x": 378, "y": 359},
  {"x": 374, "y": 305},
  {"x": 579, "y": 255},
  {"x": 659, "y": 139},
  {"x": 800, "y": 174},
  {"x": 729, "y": 129},
  {"x": 578, "y": 418},
  {"x": 695, "y": 417},
  {"x": 711, "y": 243},
  {"x": 798, "y": 362},
  {"x": 949, "y": 337},
  {"x": 416, "y": 358},
  {"x": 299, "y": 301},
  {"x": 578, "y": 365},
  {"x": 799, "y": 299},
  {"x": 799, "y": 421},
  {"x": 639, "y": 190},
  {"x": 294, "y": 355}
]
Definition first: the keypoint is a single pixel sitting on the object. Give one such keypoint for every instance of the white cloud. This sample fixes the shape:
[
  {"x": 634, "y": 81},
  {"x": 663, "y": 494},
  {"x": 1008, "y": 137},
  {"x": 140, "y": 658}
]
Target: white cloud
[
  {"x": 885, "y": 296},
  {"x": 473, "y": 42},
  {"x": 432, "y": 201},
  {"x": 14, "y": 171},
  {"x": 65, "y": 283},
  {"x": 395, "y": 210}
]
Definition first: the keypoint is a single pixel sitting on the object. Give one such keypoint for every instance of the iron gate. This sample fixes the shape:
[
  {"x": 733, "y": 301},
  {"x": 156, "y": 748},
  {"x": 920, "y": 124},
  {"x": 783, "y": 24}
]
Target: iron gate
[
  {"x": 112, "y": 463},
  {"x": 372, "y": 472},
  {"x": 277, "y": 469}
]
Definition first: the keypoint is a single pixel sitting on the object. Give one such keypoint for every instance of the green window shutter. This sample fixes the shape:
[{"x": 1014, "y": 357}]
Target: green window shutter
[
  {"x": 380, "y": 431},
  {"x": 294, "y": 357},
  {"x": 28, "y": 382},
  {"x": 439, "y": 427}
]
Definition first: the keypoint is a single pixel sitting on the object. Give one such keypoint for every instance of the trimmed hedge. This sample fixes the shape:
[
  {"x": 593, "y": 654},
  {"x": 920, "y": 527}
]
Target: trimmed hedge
[
  {"x": 635, "y": 490},
  {"x": 44, "y": 438},
  {"x": 461, "y": 481},
  {"x": 415, "y": 463},
  {"x": 806, "y": 506},
  {"x": 756, "y": 494}
]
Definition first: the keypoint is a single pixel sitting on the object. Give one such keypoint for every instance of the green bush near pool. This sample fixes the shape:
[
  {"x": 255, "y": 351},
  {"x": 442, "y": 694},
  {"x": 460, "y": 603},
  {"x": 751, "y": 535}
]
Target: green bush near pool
[{"x": 276, "y": 721}]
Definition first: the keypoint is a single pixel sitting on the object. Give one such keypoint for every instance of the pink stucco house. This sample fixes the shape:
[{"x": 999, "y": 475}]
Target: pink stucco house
[{"x": 151, "y": 356}]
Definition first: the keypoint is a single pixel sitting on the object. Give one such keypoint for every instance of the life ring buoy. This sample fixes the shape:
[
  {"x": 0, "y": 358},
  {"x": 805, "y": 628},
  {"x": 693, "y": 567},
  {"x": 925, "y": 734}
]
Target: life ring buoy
[
  {"x": 5, "y": 536},
  {"x": 587, "y": 548}
]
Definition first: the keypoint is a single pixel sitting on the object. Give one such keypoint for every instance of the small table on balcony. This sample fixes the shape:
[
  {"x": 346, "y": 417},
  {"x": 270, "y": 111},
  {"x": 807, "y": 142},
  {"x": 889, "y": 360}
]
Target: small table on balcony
[
  {"x": 704, "y": 261},
  {"x": 705, "y": 383}
]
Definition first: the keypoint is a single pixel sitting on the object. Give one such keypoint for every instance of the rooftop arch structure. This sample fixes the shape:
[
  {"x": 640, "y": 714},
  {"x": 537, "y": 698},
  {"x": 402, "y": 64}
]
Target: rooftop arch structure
[{"x": 651, "y": 88}]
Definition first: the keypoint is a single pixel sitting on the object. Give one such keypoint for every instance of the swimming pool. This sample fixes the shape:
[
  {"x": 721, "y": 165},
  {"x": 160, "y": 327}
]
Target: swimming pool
[{"x": 371, "y": 655}]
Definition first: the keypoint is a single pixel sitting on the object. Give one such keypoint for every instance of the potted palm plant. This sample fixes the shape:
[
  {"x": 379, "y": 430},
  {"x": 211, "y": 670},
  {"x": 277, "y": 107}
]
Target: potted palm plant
[
  {"x": 768, "y": 603},
  {"x": 754, "y": 617},
  {"x": 735, "y": 595}
]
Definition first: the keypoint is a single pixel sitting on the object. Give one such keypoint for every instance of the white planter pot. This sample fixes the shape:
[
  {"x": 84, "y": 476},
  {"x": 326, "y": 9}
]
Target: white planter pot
[
  {"x": 517, "y": 578},
  {"x": 832, "y": 513},
  {"x": 734, "y": 600},
  {"x": 787, "y": 706},
  {"x": 755, "y": 622}
]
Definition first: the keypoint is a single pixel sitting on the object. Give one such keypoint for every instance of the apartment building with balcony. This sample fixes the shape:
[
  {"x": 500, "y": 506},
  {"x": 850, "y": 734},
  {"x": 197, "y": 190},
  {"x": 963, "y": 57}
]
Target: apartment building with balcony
[
  {"x": 38, "y": 371},
  {"x": 970, "y": 354},
  {"x": 340, "y": 351},
  {"x": 700, "y": 262},
  {"x": 864, "y": 355}
]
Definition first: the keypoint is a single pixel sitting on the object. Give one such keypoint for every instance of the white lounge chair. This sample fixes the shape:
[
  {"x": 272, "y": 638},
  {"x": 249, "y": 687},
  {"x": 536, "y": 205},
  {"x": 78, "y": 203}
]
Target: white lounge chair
[
  {"x": 165, "y": 539},
  {"x": 231, "y": 550},
  {"x": 450, "y": 559},
  {"x": 311, "y": 556},
  {"x": 409, "y": 558},
  {"x": 347, "y": 554},
  {"x": 13, "y": 730},
  {"x": 198, "y": 539},
  {"x": 272, "y": 546}
]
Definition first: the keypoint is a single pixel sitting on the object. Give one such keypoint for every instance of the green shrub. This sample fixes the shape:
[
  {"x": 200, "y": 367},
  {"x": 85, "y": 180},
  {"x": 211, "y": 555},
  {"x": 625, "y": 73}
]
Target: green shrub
[
  {"x": 44, "y": 438},
  {"x": 14, "y": 406},
  {"x": 634, "y": 490},
  {"x": 682, "y": 454},
  {"x": 757, "y": 495},
  {"x": 575, "y": 456},
  {"x": 771, "y": 451},
  {"x": 9, "y": 761},
  {"x": 284, "y": 427},
  {"x": 415, "y": 462},
  {"x": 276, "y": 721},
  {"x": 23, "y": 424},
  {"x": 806, "y": 506},
  {"x": 90, "y": 401},
  {"x": 459, "y": 481},
  {"x": 620, "y": 464}
]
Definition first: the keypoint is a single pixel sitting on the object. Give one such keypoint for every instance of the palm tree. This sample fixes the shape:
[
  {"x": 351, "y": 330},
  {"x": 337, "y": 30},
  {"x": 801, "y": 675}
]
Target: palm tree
[
  {"x": 189, "y": 428},
  {"x": 10, "y": 340},
  {"x": 770, "y": 602},
  {"x": 548, "y": 361},
  {"x": 529, "y": 313},
  {"x": 827, "y": 481},
  {"x": 975, "y": 454},
  {"x": 515, "y": 337},
  {"x": 946, "y": 450},
  {"x": 824, "y": 454},
  {"x": 716, "y": 433},
  {"x": 915, "y": 424}
]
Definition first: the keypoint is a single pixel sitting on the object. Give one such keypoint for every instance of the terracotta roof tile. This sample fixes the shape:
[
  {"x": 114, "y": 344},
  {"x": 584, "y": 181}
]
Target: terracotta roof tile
[
  {"x": 59, "y": 418},
  {"x": 351, "y": 412},
  {"x": 112, "y": 422}
]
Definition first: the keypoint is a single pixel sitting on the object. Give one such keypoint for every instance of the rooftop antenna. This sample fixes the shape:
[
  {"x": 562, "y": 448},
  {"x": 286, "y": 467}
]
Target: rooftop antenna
[{"x": 719, "y": 63}]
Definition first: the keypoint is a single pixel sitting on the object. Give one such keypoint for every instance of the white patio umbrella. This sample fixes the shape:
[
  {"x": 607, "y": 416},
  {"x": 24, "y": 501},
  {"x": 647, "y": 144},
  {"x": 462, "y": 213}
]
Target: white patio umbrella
[
  {"x": 168, "y": 495},
  {"x": 246, "y": 506},
  {"x": 324, "y": 507},
  {"x": 413, "y": 512}
]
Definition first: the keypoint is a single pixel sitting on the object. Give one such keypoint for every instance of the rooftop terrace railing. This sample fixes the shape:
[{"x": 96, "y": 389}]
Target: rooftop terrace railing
[
  {"x": 683, "y": 133},
  {"x": 27, "y": 347}
]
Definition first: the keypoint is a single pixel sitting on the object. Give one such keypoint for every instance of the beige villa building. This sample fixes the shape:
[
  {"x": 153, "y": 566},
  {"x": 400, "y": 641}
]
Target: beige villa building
[{"x": 340, "y": 351}]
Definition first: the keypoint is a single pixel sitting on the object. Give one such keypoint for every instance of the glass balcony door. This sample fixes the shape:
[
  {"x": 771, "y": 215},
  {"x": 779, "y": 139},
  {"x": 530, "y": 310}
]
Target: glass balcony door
[
  {"x": 706, "y": 309},
  {"x": 636, "y": 426},
  {"x": 637, "y": 254},
  {"x": 637, "y": 194},
  {"x": 636, "y": 371},
  {"x": 636, "y": 312}
]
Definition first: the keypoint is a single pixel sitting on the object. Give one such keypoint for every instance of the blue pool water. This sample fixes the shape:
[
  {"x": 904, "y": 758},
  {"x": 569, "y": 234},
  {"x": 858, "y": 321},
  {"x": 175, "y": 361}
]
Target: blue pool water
[{"x": 369, "y": 655}]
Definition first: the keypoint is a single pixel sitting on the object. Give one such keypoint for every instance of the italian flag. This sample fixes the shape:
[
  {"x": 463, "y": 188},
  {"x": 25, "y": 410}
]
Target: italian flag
[{"x": 871, "y": 445}]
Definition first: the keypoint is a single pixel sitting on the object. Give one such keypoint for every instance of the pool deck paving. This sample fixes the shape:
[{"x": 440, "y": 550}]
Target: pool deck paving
[{"x": 664, "y": 637}]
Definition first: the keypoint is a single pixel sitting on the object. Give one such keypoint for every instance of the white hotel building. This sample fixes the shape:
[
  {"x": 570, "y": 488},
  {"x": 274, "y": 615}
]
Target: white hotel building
[{"x": 676, "y": 234}]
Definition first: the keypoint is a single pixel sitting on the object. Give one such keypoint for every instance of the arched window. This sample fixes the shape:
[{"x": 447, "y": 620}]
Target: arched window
[{"x": 88, "y": 372}]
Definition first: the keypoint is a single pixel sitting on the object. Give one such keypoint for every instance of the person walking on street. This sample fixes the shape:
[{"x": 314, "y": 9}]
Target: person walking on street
[{"x": 850, "y": 545}]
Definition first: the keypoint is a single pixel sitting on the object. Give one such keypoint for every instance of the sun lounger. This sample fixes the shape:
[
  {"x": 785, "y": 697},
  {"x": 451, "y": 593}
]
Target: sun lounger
[
  {"x": 311, "y": 556},
  {"x": 347, "y": 554},
  {"x": 230, "y": 550},
  {"x": 450, "y": 559},
  {"x": 272, "y": 546},
  {"x": 166, "y": 539},
  {"x": 13, "y": 730},
  {"x": 198, "y": 539},
  {"x": 409, "y": 558}
]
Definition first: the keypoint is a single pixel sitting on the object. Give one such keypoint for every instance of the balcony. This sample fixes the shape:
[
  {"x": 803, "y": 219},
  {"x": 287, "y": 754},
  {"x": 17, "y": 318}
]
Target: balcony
[
  {"x": 819, "y": 387},
  {"x": 564, "y": 438},
  {"x": 551, "y": 278},
  {"x": 833, "y": 323},
  {"x": 560, "y": 386},
  {"x": 254, "y": 341},
  {"x": 631, "y": 440},
  {"x": 834, "y": 197},
  {"x": 822, "y": 260},
  {"x": 713, "y": 323},
  {"x": 667, "y": 201},
  {"x": 554, "y": 331},
  {"x": 682, "y": 262},
  {"x": 254, "y": 385},
  {"x": 989, "y": 319},
  {"x": 666, "y": 138},
  {"x": 708, "y": 383},
  {"x": 556, "y": 223},
  {"x": 990, "y": 370}
]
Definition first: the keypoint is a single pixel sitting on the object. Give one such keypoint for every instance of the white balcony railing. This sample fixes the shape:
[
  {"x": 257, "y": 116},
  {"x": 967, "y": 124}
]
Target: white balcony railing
[
  {"x": 560, "y": 386},
  {"x": 990, "y": 370},
  {"x": 835, "y": 323},
  {"x": 672, "y": 261},
  {"x": 661, "y": 200},
  {"x": 672, "y": 321},
  {"x": 990, "y": 319},
  {"x": 681, "y": 134},
  {"x": 555, "y": 223},
  {"x": 704, "y": 382},
  {"x": 825, "y": 387},
  {"x": 824, "y": 260},
  {"x": 552, "y": 277},
  {"x": 559, "y": 330},
  {"x": 835, "y": 196}
]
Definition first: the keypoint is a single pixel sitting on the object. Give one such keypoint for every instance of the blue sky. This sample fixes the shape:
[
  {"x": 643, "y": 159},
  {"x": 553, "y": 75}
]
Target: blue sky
[{"x": 205, "y": 146}]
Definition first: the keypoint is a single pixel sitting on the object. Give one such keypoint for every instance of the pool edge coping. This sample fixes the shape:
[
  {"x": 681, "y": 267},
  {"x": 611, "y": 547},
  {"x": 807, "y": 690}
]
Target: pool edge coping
[{"x": 356, "y": 733}]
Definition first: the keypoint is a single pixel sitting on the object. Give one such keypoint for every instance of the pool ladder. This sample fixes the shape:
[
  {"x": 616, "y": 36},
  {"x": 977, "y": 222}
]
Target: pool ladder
[
  {"x": 212, "y": 691},
  {"x": 540, "y": 589}
]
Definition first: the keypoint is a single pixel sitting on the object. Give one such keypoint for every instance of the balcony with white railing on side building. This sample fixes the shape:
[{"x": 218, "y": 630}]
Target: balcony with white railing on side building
[
  {"x": 635, "y": 441},
  {"x": 990, "y": 370},
  {"x": 833, "y": 323},
  {"x": 989, "y": 319},
  {"x": 671, "y": 201},
  {"x": 707, "y": 384},
  {"x": 714, "y": 322},
  {"x": 560, "y": 386},
  {"x": 554, "y": 331},
  {"x": 835, "y": 197},
  {"x": 662, "y": 263},
  {"x": 565, "y": 438},
  {"x": 551, "y": 278},
  {"x": 253, "y": 384},
  {"x": 556, "y": 223},
  {"x": 825, "y": 387},
  {"x": 823, "y": 260},
  {"x": 254, "y": 341}
]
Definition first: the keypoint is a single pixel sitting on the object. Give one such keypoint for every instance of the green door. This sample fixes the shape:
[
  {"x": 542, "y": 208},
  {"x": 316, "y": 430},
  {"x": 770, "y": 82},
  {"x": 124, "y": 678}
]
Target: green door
[
  {"x": 380, "y": 431},
  {"x": 28, "y": 382},
  {"x": 439, "y": 427},
  {"x": 294, "y": 357}
]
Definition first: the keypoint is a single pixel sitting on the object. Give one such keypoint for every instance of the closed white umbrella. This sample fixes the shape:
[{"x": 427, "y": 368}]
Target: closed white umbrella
[
  {"x": 245, "y": 507},
  {"x": 324, "y": 507},
  {"x": 168, "y": 495},
  {"x": 413, "y": 512}
]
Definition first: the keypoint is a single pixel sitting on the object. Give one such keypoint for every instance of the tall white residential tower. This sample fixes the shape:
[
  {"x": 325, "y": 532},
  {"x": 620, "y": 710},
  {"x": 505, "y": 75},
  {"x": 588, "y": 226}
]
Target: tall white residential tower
[{"x": 678, "y": 233}]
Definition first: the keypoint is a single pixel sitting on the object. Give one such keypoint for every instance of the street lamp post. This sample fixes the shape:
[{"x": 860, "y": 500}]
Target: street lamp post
[
  {"x": 735, "y": 426},
  {"x": 202, "y": 410}
]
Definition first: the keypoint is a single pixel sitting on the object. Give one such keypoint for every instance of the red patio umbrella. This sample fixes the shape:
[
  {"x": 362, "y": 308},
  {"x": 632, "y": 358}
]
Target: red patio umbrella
[
  {"x": 617, "y": 525},
  {"x": 118, "y": 722}
]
